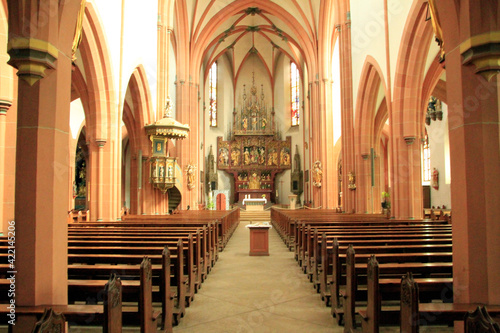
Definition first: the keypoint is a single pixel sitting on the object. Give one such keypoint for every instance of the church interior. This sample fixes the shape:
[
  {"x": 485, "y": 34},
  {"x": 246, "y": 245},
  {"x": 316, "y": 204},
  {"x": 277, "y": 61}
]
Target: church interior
[{"x": 160, "y": 129}]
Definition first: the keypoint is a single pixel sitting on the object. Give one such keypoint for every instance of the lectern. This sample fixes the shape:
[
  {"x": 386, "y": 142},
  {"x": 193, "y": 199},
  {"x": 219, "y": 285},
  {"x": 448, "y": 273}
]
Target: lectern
[{"x": 259, "y": 240}]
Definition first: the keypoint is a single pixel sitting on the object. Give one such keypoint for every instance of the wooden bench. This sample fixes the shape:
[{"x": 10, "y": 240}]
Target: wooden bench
[
  {"x": 413, "y": 314},
  {"x": 80, "y": 314},
  {"x": 148, "y": 316},
  {"x": 433, "y": 287},
  {"x": 311, "y": 255},
  {"x": 109, "y": 315}
]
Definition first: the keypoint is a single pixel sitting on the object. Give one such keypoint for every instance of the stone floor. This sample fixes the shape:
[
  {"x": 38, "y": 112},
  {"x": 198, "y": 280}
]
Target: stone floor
[{"x": 256, "y": 294}]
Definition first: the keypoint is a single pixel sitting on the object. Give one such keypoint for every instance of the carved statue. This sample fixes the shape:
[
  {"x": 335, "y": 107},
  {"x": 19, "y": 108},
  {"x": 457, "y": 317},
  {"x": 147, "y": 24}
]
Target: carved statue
[
  {"x": 254, "y": 182},
  {"x": 317, "y": 174},
  {"x": 235, "y": 157},
  {"x": 352, "y": 180},
  {"x": 246, "y": 157},
  {"x": 168, "y": 108},
  {"x": 162, "y": 170},
  {"x": 284, "y": 157},
  {"x": 272, "y": 158},
  {"x": 190, "y": 172},
  {"x": 262, "y": 155},
  {"x": 435, "y": 179},
  {"x": 223, "y": 157}
]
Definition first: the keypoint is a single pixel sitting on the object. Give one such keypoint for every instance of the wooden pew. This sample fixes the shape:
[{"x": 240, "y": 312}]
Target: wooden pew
[
  {"x": 80, "y": 288},
  {"x": 127, "y": 255},
  {"x": 167, "y": 295},
  {"x": 109, "y": 314},
  {"x": 414, "y": 314},
  {"x": 329, "y": 253},
  {"x": 349, "y": 293},
  {"x": 433, "y": 287},
  {"x": 50, "y": 322},
  {"x": 409, "y": 304},
  {"x": 112, "y": 305},
  {"x": 480, "y": 321},
  {"x": 393, "y": 239},
  {"x": 147, "y": 315},
  {"x": 370, "y": 316},
  {"x": 204, "y": 246}
]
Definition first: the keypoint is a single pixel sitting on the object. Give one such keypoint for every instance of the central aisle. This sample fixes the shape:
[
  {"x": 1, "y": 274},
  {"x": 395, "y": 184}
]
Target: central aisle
[{"x": 257, "y": 294}]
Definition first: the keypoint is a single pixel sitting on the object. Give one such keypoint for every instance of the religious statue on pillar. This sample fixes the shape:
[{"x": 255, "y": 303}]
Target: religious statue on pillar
[{"x": 317, "y": 174}]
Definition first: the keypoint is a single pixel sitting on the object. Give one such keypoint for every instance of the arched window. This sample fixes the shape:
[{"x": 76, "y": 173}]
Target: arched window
[
  {"x": 212, "y": 94},
  {"x": 426, "y": 160},
  {"x": 295, "y": 93}
]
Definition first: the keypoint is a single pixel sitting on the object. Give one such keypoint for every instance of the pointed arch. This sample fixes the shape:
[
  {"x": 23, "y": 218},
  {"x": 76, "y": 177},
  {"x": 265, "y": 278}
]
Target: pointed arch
[
  {"x": 406, "y": 114},
  {"x": 368, "y": 125}
]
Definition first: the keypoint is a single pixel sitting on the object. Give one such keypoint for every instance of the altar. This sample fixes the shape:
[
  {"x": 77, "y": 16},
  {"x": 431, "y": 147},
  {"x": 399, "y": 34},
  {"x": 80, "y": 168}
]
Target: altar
[
  {"x": 254, "y": 203},
  {"x": 241, "y": 194}
]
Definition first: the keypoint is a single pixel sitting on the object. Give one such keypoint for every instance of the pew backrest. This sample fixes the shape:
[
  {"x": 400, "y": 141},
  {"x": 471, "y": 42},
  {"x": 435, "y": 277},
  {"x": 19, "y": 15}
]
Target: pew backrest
[
  {"x": 113, "y": 305},
  {"x": 409, "y": 304},
  {"x": 480, "y": 321},
  {"x": 350, "y": 290},
  {"x": 148, "y": 318},
  {"x": 166, "y": 294},
  {"x": 371, "y": 324},
  {"x": 50, "y": 322}
]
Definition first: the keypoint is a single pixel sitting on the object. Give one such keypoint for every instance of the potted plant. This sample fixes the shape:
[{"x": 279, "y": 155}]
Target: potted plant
[
  {"x": 386, "y": 203},
  {"x": 210, "y": 204}
]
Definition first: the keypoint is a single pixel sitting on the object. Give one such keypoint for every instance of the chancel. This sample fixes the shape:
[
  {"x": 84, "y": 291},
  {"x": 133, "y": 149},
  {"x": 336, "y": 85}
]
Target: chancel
[{"x": 139, "y": 138}]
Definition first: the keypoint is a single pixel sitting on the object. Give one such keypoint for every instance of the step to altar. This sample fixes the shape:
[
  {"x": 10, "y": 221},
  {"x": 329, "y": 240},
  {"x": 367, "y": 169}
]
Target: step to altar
[{"x": 255, "y": 216}]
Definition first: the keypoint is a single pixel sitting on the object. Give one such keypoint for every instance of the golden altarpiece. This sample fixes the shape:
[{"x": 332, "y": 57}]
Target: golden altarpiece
[{"x": 254, "y": 153}]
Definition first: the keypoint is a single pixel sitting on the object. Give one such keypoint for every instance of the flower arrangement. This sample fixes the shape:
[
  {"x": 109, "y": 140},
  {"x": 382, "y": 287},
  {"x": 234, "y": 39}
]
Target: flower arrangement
[
  {"x": 210, "y": 204},
  {"x": 386, "y": 203}
]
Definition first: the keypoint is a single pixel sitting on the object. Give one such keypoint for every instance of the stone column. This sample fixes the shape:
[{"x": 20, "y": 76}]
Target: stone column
[
  {"x": 42, "y": 187},
  {"x": 475, "y": 172},
  {"x": 472, "y": 64},
  {"x": 348, "y": 163},
  {"x": 100, "y": 179}
]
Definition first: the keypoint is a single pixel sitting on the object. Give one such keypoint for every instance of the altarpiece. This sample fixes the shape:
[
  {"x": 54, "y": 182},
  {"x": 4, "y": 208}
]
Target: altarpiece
[{"x": 254, "y": 154}]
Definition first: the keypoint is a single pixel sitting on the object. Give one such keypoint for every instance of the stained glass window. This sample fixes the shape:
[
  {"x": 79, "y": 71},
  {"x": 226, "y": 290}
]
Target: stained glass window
[
  {"x": 295, "y": 92},
  {"x": 426, "y": 160},
  {"x": 212, "y": 81}
]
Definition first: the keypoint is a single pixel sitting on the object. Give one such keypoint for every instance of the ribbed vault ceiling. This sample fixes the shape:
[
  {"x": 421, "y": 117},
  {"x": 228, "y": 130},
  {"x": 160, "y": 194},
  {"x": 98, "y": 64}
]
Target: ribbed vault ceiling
[{"x": 253, "y": 30}]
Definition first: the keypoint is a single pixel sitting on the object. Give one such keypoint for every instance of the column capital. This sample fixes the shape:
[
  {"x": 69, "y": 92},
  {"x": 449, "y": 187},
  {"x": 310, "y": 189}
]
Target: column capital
[
  {"x": 483, "y": 52},
  {"x": 100, "y": 142},
  {"x": 365, "y": 156},
  {"x": 4, "y": 106},
  {"x": 409, "y": 140},
  {"x": 31, "y": 57}
]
